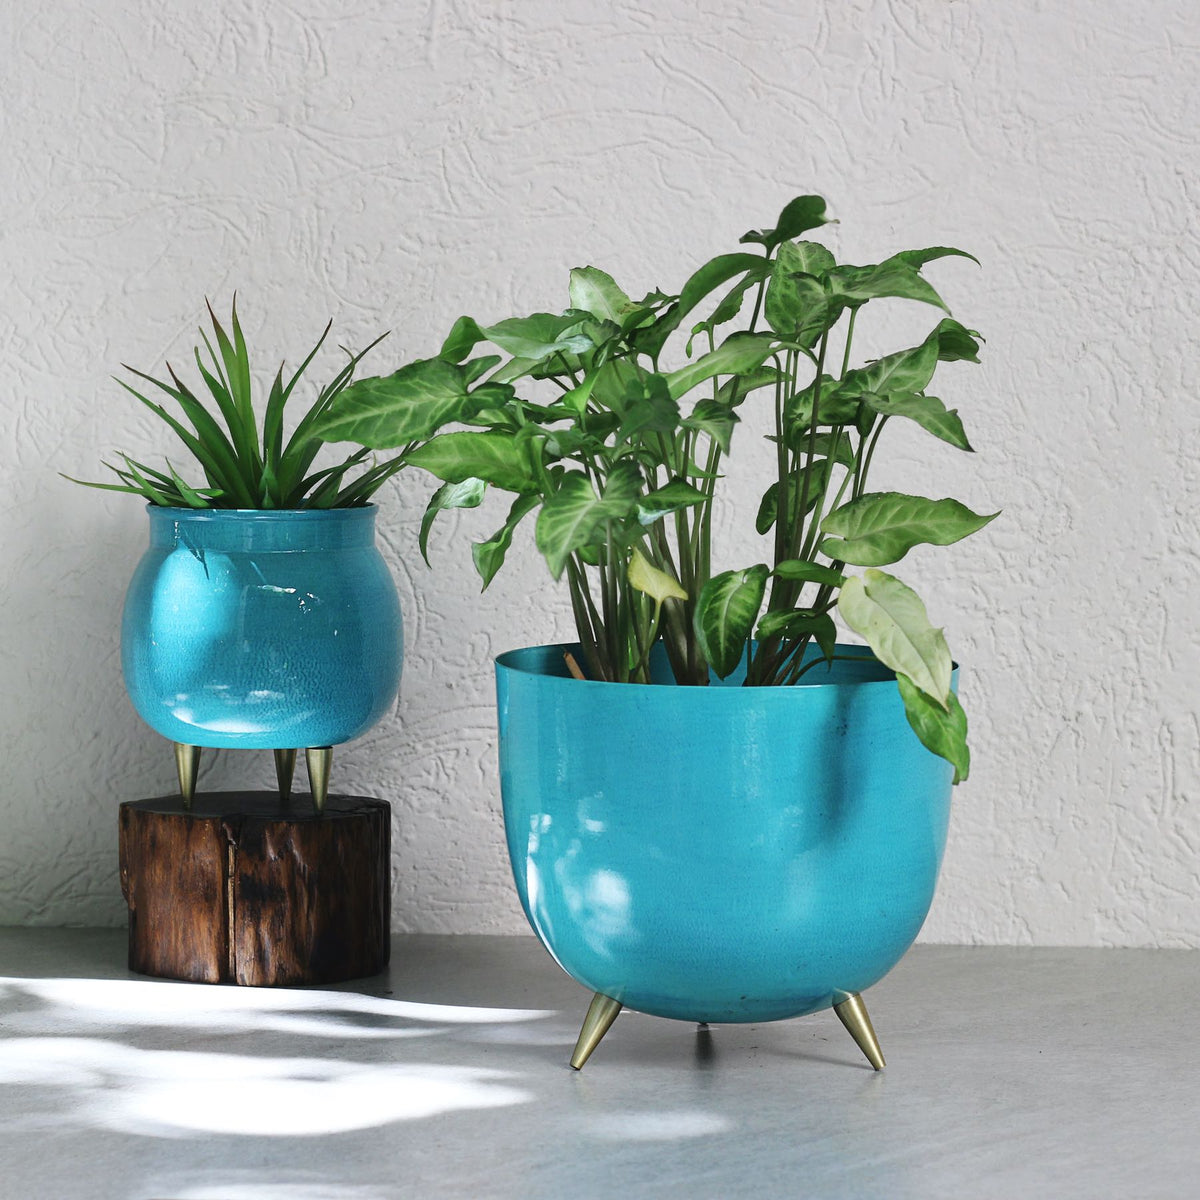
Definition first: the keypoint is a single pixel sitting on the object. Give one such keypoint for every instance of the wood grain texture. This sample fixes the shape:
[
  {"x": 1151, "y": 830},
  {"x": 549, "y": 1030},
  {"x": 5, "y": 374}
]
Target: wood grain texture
[{"x": 242, "y": 889}]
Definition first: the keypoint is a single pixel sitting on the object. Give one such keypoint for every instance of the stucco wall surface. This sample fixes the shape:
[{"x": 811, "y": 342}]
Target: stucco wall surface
[{"x": 395, "y": 165}]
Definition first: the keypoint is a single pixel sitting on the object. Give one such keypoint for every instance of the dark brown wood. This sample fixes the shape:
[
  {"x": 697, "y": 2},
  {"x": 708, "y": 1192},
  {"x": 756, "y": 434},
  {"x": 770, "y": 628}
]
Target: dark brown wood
[{"x": 245, "y": 889}]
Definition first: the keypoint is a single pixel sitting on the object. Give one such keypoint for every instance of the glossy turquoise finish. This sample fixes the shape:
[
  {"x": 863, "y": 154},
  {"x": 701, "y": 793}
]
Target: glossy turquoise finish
[
  {"x": 720, "y": 853},
  {"x": 257, "y": 629}
]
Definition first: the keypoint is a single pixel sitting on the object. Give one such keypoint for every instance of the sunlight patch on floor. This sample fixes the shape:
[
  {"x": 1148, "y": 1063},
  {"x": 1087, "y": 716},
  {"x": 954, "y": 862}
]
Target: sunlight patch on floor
[
  {"x": 175, "y": 1092},
  {"x": 665, "y": 1126},
  {"x": 106, "y": 1003}
]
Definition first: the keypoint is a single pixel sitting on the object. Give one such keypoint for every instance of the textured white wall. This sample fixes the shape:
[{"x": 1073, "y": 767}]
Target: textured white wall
[{"x": 394, "y": 165}]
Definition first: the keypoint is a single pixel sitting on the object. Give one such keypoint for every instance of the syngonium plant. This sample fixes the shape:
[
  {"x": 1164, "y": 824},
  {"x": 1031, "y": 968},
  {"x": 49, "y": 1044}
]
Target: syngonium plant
[{"x": 621, "y": 462}]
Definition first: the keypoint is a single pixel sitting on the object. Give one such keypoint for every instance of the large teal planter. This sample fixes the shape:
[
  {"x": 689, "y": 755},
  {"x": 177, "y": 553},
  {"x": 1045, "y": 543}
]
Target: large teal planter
[
  {"x": 262, "y": 629},
  {"x": 723, "y": 853}
]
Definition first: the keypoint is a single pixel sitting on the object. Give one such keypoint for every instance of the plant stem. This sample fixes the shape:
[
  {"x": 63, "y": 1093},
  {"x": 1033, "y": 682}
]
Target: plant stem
[
  {"x": 794, "y": 547},
  {"x": 562, "y": 358},
  {"x": 849, "y": 339},
  {"x": 758, "y": 299},
  {"x": 860, "y": 482}
]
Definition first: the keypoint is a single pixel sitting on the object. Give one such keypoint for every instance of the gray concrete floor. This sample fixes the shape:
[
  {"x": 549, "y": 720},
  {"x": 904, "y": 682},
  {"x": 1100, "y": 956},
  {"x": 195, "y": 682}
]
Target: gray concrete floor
[{"x": 1060, "y": 1073}]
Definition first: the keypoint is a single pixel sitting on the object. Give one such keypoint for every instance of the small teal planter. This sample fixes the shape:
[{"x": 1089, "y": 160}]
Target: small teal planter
[
  {"x": 262, "y": 629},
  {"x": 720, "y": 854}
]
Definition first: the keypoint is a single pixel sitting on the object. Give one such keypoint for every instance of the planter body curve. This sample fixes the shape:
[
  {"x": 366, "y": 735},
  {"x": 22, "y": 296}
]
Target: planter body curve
[
  {"x": 719, "y": 853},
  {"x": 262, "y": 629}
]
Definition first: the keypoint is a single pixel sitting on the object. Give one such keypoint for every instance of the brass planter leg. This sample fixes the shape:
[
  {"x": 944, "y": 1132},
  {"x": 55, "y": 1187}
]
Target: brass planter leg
[
  {"x": 319, "y": 760},
  {"x": 601, "y": 1014},
  {"x": 187, "y": 764},
  {"x": 852, "y": 1012},
  {"x": 285, "y": 768}
]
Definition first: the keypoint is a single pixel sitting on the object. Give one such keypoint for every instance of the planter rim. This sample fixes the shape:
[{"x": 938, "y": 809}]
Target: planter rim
[
  {"x": 532, "y": 661},
  {"x": 253, "y": 530},
  {"x": 259, "y": 514}
]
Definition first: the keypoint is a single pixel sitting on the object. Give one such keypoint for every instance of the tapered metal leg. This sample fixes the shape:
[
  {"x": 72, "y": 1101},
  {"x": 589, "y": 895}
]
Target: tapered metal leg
[
  {"x": 601, "y": 1014},
  {"x": 319, "y": 760},
  {"x": 187, "y": 764},
  {"x": 853, "y": 1014},
  {"x": 285, "y": 768}
]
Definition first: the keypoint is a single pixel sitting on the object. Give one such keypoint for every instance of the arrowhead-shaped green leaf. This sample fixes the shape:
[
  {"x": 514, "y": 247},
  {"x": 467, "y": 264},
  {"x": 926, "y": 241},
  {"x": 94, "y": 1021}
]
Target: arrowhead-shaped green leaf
[
  {"x": 622, "y": 490},
  {"x": 768, "y": 508},
  {"x": 574, "y": 516},
  {"x": 463, "y": 337},
  {"x": 943, "y": 732},
  {"x": 570, "y": 518},
  {"x": 647, "y": 406},
  {"x": 739, "y": 353},
  {"x": 835, "y": 406},
  {"x": 498, "y": 458},
  {"x": 703, "y": 281},
  {"x": 809, "y": 572},
  {"x": 893, "y": 278},
  {"x": 714, "y": 418},
  {"x": 798, "y": 216},
  {"x": 669, "y": 498},
  {"x": 892, "y": 618},
  {"x": 904, "y": 371},
  {"x": 489, "y": 556},
  {"x": 538, "y": 336},
  {"x": 467, "y": 494},
  {"x": 928, "y": 412},
  {"x": 392, "y": 410},
  {"x": 596, "y": 292},
  {"x": 918, "y": 258},
  {"x": 733, "y": 391},
  {"x": 796, "y": 300},
  {"x": 656, "y": 584},
  {"x": 798, "y": 623},
  {"x": 955, "y": 342},
  {"x": 725, "y": 613},
  {"x": 882, "y": 527}
]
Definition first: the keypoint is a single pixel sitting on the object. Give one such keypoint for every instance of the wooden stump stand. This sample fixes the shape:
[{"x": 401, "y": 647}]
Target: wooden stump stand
[{"x": 243, "y": 888}]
